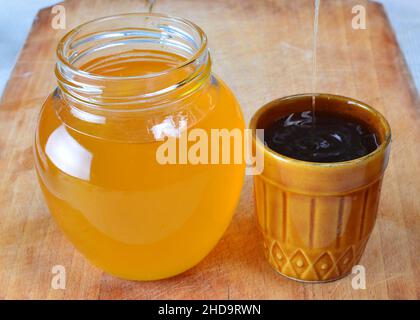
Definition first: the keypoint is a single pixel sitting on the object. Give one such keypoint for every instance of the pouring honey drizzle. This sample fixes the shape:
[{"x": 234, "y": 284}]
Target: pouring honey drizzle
[
  {"x": 314, "y": 47},
  {"x": 318, "y": 136}
]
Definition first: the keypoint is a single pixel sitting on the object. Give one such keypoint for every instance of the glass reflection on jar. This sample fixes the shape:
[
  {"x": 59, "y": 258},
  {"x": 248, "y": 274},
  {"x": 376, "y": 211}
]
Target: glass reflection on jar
[{"x": 125, "y": 83}]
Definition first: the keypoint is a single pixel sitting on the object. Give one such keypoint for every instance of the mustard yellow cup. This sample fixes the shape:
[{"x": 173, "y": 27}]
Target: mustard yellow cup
[{"x": 316, "y": 218}]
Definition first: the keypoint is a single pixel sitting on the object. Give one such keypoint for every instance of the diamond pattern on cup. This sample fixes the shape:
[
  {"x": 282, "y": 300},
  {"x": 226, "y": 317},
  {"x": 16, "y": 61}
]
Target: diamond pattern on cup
[
  {"x": 317, "y": 266},
  {"x": 278, "y": 255},
  {"x": 346, "y": 260},
  {"x": 324, "y": 265},
  {"x": 299, "y": 262}
]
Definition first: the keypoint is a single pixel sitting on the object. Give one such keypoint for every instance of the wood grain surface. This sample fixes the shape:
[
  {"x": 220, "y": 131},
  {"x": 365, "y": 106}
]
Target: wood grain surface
[{"x": 262, "y": 49}]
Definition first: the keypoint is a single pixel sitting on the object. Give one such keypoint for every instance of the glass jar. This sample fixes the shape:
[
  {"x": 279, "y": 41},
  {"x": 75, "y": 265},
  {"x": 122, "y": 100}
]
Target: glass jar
[{"x": 126, "y": 85}]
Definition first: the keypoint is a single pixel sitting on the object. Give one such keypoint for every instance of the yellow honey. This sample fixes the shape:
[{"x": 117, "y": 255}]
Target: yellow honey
[{"x": 125, "y": 212}]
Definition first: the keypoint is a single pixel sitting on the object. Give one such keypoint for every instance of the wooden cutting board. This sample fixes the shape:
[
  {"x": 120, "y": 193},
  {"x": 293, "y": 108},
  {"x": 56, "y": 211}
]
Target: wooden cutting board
[{"x": 262, "y": 49}]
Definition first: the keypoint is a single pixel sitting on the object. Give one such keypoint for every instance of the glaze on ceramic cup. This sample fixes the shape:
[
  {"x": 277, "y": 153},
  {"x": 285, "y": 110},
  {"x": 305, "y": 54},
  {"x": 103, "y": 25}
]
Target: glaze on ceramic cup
[{"x": 316, "y": 218}]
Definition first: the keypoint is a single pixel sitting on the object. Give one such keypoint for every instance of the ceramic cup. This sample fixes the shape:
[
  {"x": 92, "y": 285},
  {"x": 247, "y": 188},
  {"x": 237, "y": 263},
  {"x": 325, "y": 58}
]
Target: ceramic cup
[{"x": 316, "y": 218}]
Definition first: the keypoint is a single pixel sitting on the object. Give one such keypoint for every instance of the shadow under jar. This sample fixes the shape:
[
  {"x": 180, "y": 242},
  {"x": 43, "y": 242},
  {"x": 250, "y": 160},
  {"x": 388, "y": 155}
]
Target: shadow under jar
[
  {"x": 125, "y": 84},
  {"x": 316, "y": 217}
]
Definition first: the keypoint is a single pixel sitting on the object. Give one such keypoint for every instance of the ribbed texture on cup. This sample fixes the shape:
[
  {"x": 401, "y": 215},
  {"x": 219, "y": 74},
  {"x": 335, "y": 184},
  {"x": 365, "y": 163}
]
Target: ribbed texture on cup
[
  {"x": 316, "y": 218},
  {"x": 315, "y": 238}
]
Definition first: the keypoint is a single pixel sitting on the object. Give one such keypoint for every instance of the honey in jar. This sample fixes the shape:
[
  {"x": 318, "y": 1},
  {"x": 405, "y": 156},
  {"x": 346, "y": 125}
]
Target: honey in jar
[{"x": 125, "y": 84}]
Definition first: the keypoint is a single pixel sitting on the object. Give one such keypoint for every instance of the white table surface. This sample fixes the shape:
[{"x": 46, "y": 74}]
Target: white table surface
[{"x": 16, "y": 17}]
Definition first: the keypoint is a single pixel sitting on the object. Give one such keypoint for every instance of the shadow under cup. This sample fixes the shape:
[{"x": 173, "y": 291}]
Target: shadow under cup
[{"x": 316, "y": 218}]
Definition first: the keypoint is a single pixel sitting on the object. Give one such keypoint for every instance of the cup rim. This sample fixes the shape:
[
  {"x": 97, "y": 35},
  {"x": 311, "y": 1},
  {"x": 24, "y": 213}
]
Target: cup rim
[{"x": 272, "y": 104}]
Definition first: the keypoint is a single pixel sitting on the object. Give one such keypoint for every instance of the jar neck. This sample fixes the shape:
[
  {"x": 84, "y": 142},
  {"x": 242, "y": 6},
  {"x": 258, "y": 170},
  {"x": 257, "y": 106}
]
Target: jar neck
[{"x": 90, "y": 59}]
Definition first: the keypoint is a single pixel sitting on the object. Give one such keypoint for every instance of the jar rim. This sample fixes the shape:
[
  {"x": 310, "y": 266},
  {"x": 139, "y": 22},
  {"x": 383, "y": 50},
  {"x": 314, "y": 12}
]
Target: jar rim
[
  {"x": 132, "y": 34},
  {"x": 60, "y": 51}
]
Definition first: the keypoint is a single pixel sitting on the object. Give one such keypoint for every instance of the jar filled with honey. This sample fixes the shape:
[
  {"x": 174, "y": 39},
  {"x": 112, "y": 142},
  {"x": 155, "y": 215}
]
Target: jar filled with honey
[{"x": 126, "y": 84}]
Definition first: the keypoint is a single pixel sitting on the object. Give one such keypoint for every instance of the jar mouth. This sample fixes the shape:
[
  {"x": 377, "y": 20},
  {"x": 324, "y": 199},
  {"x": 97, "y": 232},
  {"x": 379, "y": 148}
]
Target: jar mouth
[
  {"x": 68, "y": 41},
  {"x": 128, "y": 36}
]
